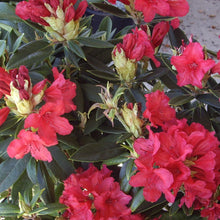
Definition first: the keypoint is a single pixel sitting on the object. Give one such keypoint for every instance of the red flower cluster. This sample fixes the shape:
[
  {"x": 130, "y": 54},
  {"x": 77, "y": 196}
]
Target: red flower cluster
[
  {"x": 42, "y": 124},
  {"x": 137, "y": 45},
  {"x": 174, "y": 8},
  {"x": 191, "y": 65},
  {"x": 158, "y": 110},
  {"x": 59, "y": 17},
  {"x": 181, "y": 157},
  {"x": 94, "y": 195},
  {"x": 37, "y": 10}
]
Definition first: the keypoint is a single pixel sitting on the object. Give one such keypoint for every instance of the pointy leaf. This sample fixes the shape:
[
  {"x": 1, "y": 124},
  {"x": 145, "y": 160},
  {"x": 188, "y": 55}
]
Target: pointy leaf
[
  {"x": 11, "y": 170},
  {"x": 29, "y": 53}
]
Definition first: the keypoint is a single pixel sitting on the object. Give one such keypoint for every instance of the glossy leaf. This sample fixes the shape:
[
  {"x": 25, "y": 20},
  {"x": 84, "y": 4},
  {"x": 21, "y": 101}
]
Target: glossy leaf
[
  {"x": 29, "y": 53},
  {"x": 99, "y": 151},
  {"x": 50, "y": 208},
  {"x": 201, "y": 116},
  {"x": 91, "y": 42},
  {"x": 9, "y": 123},
  {"x": 45, "y": 181},
  {"x": 2, "y": 47},
  {"x": 106, "y": 25},
  {"x": 111, "y": 9},
  {"x": 60, "y": 166},
  {"x": 20, "y": 186},
  {"x": 32, "y": 170},
  {"x": 9, "y": 209},
  {"x": 7, "y": 12},
  {"x": 180, "y": 100},
  {"x": 11, "y": 170},
  {"x": 75, "y": 48},
  {"x": 137, "y": 200},
  {"x": 209, "y": 99}
]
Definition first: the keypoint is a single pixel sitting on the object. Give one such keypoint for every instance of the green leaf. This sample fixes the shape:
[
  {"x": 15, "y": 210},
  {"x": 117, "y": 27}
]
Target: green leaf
[
  {"x": 104, "y": 75},
  {"x": 95, "y": 152},
  {"x": 201, "y": 116},
  {"x": 106, "y": 25},
  {"x": 91, "y": 92},
  {"x": 75, "y": 48},
  {"x": 92, "y": 124},
  {"x": 9, "y": 123},
  {"x": 32, "y": 170},
  {"x": 7, "y": 12},
  {"x": 17, "y": 43},
  {"x": 180, "y": 100},
  {"x": 111, "y": 9},
  {"x": 209, "y": 99},
  {"x": 176, "y": 37},
  {"x": 60, "y": 166},
  {"x": 91, "y": 42},
  {"x": 117, "y": 160},
  {"x": 11, "y": 170},
  {"x": 21, "y": 185},
  {"x": 137, "y": 200},
  {"x": 174, "y": 208},
  {"x": 51, "y": 208},
  {"x": 30, "y": 53},
  {"x": 3, "y": 149},
  {"x": 9, "y": 209},
  {"x": 37, "y": 192},
  {"x": 45, "y": 181},
  {"x": 186, "y": 210},
  {"x": 2, "y": 47}
]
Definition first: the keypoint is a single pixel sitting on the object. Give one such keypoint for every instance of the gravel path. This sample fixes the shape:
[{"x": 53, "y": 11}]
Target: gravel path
[{"x": 203, "y": 21}]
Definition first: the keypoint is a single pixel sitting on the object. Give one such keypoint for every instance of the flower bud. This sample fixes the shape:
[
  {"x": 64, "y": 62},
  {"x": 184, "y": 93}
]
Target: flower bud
[
  {"x": 131, "y": 119},
  {"x": 126, "y": 68}
]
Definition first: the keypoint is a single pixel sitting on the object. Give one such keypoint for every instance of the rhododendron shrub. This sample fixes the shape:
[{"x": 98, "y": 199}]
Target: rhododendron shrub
[{"x": 106, "y": 123}]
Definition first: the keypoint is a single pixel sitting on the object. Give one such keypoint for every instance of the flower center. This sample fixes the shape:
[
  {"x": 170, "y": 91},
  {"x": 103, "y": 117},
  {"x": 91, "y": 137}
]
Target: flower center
[{"x": 193, "y": 66}]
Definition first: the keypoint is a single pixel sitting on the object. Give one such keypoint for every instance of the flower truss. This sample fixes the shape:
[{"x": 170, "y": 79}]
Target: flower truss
[
  {"x": 98, "y": 122},
  {"x": 41, "y": 124}
]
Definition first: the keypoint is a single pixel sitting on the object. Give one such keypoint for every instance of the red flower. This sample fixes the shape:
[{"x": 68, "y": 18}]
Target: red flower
[
  {"x": 212, "y": 213},
  {"x": 5, "y": 80},
  {"x": 36, "y": 10},
  {"x": 191, "y": 66},
  {"x": 216, "y": 68},
  {"x": 110, "y": 201},
  {"x": 152, "y": 7},
  {"x": 154, "y": 181},
  {"x": 61, "y": 91},
  {"x": 195, "y": 190},
  {"x": 33, "y": 10},
  {"x": 29, "y": 142},
  {"x": 158, "y": 110},
  {"x": 48, "y": 122},
  {"x": 4, "y": 114},
  {"x": 95, "y": 190},
  {"x": 136, "y": 45},
  {"x": 159, "y": 32},
  {"x": 175, "y": 23},
  {"x": 178, "y": 8}
]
